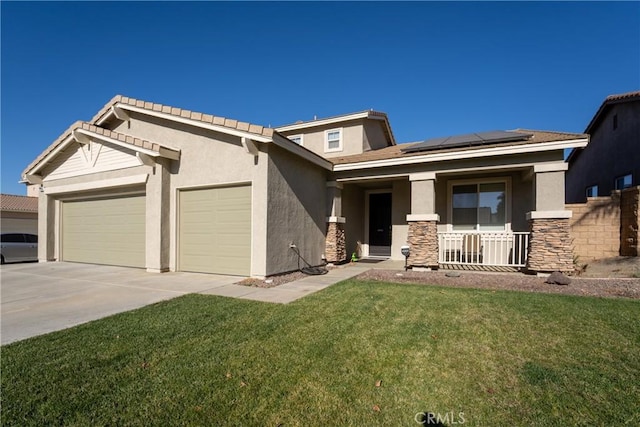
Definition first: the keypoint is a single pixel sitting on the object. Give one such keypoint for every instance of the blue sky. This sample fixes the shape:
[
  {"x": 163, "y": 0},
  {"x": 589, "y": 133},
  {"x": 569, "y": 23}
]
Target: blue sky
[{"x": 436, "y": 68}]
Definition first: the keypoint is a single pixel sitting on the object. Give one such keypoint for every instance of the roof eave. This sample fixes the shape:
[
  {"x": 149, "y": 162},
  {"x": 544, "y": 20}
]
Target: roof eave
[
  {"x": 183, "y": 120},
  {"x": 285, "y": 143},
  {"x": 464, "y": 154},
  {"x": 76, "y": 133}
]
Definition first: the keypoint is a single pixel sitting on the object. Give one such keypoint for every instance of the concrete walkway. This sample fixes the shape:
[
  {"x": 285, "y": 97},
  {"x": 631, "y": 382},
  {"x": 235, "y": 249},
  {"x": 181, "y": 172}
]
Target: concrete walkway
[{"x": 289, "y": 291}]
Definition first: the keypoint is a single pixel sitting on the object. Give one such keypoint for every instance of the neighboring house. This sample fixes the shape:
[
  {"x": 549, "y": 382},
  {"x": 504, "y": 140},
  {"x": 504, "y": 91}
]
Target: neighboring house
[
  {"x": 611, "y": 161},
  {"x": 18, "y": 214},
  {"x": 158, "y": 187}
]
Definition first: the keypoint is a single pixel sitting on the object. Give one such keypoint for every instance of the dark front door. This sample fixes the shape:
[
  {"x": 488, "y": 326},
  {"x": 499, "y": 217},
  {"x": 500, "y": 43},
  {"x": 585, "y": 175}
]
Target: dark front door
[{"x": 380, "y": 224}]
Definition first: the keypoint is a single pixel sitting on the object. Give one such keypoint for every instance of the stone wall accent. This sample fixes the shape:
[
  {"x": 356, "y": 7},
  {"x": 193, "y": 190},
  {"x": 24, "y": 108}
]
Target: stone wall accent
[
  {"x": 630, "y": 221},
  {"x": 423, "y": 243},
  {"x": 550, "y": 245},
  {"x": 595, "y": 228},
  {"x": 335, "y": 249}
]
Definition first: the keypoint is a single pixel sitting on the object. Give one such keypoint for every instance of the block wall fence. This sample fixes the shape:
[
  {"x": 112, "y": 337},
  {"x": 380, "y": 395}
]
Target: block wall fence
[{"x": 606, "y": 226}]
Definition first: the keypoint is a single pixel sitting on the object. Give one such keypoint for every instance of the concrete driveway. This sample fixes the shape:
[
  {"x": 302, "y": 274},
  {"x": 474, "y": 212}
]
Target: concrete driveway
[{"x": 46, "y": 297}]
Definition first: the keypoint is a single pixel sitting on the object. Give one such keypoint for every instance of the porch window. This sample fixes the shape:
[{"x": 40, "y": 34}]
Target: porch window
[{"x": 479, "y": 206}]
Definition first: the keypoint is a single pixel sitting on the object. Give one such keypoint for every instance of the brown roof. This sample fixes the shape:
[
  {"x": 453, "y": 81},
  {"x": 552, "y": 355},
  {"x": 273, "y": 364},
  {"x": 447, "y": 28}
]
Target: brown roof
[
  {"x": 188, "y": 114},
  {"x": 609, "y": 100},
  {"x": 142, "y": 143},
  {"x": 10, "y": 202},
  {"x": 394, "y": 152}
]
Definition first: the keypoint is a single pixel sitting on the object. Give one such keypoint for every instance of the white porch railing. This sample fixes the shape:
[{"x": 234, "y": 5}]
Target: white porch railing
[{"x": 491, "y": 249}]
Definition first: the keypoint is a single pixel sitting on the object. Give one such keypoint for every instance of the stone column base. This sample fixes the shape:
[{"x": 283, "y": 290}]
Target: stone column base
[
  {"x": 550, "y": 245},
  {"x": 335, "y": 249},
  {"x": 423, "y": 244}
]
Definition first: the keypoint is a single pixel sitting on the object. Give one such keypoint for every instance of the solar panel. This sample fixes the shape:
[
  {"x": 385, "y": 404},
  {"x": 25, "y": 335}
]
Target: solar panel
[{"x": 467, "y": 140}]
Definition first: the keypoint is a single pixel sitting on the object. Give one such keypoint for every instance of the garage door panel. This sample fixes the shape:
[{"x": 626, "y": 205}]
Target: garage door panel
[
  {"x": 215, "y": 230},
  {"x": 105, "y": 231}
]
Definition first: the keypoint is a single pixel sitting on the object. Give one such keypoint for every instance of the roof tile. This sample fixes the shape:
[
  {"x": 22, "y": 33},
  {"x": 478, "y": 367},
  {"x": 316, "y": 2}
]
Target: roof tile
[{"x": 14, "y": 203}]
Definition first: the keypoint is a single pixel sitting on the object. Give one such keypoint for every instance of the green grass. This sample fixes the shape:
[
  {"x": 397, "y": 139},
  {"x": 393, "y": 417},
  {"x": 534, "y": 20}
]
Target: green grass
[{"x": 500, "y": 358}]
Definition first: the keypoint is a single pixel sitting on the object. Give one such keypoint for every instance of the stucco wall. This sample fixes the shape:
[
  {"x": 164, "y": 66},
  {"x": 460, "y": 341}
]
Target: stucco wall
[
  {"x": 374, "y": 137},
  {"x": 353, "y": 211},
  {"x": 209, "y": 159},
  {"x": 400, "y": 208},
  {"x": 610, "y": 153},
  {"x": 314, "y": 138},
  {"x": 297, "y": 211}
]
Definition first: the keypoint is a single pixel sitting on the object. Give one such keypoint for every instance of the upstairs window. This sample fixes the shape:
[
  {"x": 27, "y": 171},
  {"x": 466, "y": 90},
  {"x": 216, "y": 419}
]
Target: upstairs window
[
  {"x": 615, "y": 121},
  {"x": 479, "y": 206},
  {"x": 298, "y": 139},
  {"x": 333, "y": 140},
  {"x": 592, "y": 191},
  {"x": 623, "y": 182}
]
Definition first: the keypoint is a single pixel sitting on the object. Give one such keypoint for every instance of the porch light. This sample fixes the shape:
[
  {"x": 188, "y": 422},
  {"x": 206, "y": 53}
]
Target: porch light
[{"x": 405, "y": 251}]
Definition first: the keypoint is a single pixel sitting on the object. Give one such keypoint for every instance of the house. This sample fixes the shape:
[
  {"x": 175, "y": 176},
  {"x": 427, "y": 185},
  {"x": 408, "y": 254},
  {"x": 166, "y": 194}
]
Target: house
[
  {"x": 606, "y": 174},
  {"x": 611, "y": 161},
  {"x": 18, "y": 214},
  {"x": 163, "y": 188}
]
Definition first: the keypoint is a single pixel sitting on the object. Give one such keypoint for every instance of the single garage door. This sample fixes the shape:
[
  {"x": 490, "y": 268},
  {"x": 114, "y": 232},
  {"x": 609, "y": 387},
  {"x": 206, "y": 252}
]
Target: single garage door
[
  {"x": 215, "y": 230},
  {"x": 105, "y": 231}
]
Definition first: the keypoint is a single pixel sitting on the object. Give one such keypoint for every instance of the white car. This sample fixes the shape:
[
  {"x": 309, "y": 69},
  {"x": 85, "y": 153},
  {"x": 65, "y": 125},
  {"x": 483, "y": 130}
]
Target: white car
[{"x": 16, "y": 247}]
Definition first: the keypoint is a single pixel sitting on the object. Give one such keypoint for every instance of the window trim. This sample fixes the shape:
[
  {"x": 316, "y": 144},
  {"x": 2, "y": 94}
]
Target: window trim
[
  {"x": 586, "y": 190},
  {"x": 622, "y": 177},
  {"x": 301, "y": 136},
  {"x": 326, "y": 140},
  {"x": 507, "y": 208}
]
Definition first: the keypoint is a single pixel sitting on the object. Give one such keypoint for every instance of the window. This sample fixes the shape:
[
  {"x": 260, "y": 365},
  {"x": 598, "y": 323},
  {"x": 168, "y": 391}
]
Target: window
[
  {"x": 333, "y": 140},
  {"x": 298, "y": 139},
  {"x": 479, "y": 206},
  {"x": 592, "y": 191},
  {"x": 615, "y": 121},
  {"x": 623, "y": 182},
  {"x": 13, "y": 238}
]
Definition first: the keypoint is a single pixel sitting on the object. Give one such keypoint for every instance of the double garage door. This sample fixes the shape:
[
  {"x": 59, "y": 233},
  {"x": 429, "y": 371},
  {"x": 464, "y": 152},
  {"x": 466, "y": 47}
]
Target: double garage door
[
  {"x": 105, "y": 231},
  {"x": 214, "y": 231}
]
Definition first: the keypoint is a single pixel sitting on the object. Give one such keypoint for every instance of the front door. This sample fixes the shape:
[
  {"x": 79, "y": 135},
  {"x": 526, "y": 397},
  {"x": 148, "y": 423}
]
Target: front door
[{"x": 380, "y": 224}]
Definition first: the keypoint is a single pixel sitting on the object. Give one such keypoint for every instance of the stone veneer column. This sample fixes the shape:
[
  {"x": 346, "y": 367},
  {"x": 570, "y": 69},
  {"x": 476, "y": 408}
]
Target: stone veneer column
[
  {"x": 335, "y": 248},
  {"x": 423, "y": 244},
  {"x": 550, "y": 245},
  {"x": 335, "y": 244},
  {"x": 422, "y": 236}
]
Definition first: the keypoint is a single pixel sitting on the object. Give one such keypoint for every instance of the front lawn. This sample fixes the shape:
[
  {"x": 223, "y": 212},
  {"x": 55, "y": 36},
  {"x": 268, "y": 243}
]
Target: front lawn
[{"x": 358, "y": 353}]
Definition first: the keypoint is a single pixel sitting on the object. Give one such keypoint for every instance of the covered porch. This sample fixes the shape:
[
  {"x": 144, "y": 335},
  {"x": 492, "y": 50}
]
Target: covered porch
[{"x": 481, "y": 218}]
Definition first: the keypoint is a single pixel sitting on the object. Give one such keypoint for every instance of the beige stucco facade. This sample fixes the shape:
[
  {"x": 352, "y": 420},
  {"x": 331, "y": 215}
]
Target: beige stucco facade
[{"x": 306, "y": 205}]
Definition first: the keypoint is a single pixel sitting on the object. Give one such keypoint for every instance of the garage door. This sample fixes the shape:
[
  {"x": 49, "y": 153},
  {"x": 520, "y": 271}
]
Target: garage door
[
  {"x": 105, "y": 231},
  {"x": 215, "y": 230}
]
